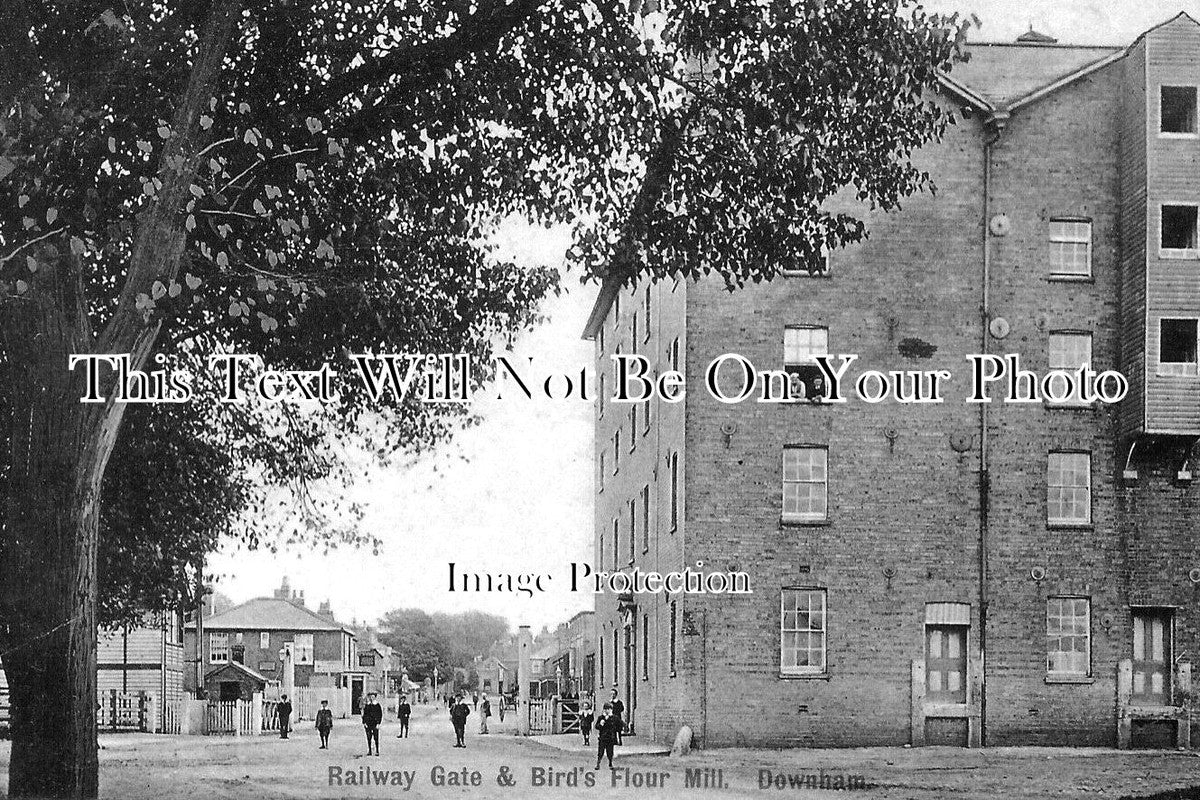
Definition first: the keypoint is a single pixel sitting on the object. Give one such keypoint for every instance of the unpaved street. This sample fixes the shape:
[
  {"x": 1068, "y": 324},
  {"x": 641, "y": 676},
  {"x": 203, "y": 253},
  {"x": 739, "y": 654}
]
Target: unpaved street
[{"x": 150, "y": 767}]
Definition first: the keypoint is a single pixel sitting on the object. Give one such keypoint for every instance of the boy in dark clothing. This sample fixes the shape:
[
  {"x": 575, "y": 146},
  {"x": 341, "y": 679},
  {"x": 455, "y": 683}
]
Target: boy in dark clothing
[
  {"x": 585, "y": 725},
  {"x": 606, "y": 735},
  {"x": 372, "y": 716},
  {"x": 284, "y": 710},
  {"x": 618, "y": 712},
  {"x": 404, "y": 711},
  {"x": 458, "y": 718},
  {"x": 324, "y": 724}
]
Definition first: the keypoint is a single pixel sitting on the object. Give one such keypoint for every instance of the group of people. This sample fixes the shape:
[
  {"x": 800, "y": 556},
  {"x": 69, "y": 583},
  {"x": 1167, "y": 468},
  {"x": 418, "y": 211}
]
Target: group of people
[
  {"x": 459, "y": 711},
  {"x": 609, "y": 724},
  {"x": 372, "y": 718}
]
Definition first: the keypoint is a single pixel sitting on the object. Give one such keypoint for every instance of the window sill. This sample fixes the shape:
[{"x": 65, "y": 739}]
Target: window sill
[
  {"x": 1070, "y": 526},
  {"x": 1171, "y": 254},
  {"x": 1070, "y": 406},
  {"x": 1080, "y": 680},
  {"x": 1177, "y": 135},
  {"x": 1055, "y": 278},
  {"x": 784, "y": 522},
  {"x": 799, "y": 273},
  {"x": 813, "y": 676},
  {"x": 1193, "y": 374}
]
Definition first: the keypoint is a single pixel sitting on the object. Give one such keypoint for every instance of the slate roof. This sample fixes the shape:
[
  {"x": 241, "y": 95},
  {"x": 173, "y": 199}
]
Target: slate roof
[
  {"x": 1005, "y": 73},
  {"x": 236, "y": 665},
  {"x": 270, "y": 614}
]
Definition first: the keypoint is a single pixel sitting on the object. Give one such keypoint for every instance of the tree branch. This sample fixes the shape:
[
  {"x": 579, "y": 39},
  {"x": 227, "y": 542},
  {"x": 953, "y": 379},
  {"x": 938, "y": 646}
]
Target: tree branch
[{"x": 478, "y": 32}]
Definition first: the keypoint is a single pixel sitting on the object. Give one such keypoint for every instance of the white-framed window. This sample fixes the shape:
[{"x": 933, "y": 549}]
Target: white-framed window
[
  {"x": 264, "y": 640},
  {"x": 805, "y": 483},
  {"x": 616, "y": 451},
  {"x": 1069, "y": 488},
  {"x": 1177, "y": 111},
  {"x": 1177, "y": 224},
  {"x": 1177, "y": 346},
  {"x": 647, "y": 413},
  {"x": 218, "y": 648},
  {"x": 674, "y": 459},
  {"x": 803, "y": 343},
  {"x": 1069, "y": 350},
  {"x": 672, "y": 651},
  {"x": 600, "y": 341},
  {"x": 633, "y": 517},
  {"x": 616, "y": 648},
  {"x": 646, "y": 518},
  {"x": 633, "y": 431},
  {"x": 673, "y": 354},
  {"x": 1070, "y": 248},
  {"x": 600, "y": 475},
  {"x": 302, "y": 648},
  {"x": 1068, "y": 637},
  {"x": 646, "y": 308},
  {"x": 616, "y": 553},
  {"x": 822, "y": 268},
  {"x": 802, "y": 631},
  {"x": 633, "y": 340},
  {"x": 600, "y": 394}
]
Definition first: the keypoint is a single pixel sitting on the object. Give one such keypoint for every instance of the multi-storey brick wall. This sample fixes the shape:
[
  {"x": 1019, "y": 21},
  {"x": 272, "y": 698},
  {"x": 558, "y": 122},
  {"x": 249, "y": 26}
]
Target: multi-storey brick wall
[
  {"x": 905, "y": 503},
  {"x": 1056, "y": 158},
  {"x": 904, "y": 519}
]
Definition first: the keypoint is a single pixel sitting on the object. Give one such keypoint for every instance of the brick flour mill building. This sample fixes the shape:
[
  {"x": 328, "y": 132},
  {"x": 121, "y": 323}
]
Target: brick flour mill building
[{"x": 937, "y": 573}]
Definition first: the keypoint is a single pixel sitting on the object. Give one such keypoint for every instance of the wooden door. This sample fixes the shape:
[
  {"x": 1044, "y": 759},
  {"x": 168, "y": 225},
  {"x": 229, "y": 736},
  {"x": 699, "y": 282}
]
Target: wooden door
[
  {"x": 946, "y": 663},
  {"x": 1151, "y": 657}
]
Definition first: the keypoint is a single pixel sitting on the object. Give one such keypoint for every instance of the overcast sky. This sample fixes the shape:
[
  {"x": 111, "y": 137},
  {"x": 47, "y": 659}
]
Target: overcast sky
[{"x": 515, "y": 493}]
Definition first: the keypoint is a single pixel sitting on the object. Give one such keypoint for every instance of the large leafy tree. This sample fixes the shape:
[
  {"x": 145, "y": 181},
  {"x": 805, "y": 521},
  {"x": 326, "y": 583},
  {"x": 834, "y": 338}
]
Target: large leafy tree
[{"x": 309, "y": 178}]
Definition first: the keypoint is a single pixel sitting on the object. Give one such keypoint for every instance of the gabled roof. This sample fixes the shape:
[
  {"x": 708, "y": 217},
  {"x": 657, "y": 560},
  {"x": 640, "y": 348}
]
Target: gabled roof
[
  {"x": 1003, "y": 76},
  {"x": 237, "y": 666},
  {"x": 1004, "y": 73},
  {"x": 270, "y": 614}
]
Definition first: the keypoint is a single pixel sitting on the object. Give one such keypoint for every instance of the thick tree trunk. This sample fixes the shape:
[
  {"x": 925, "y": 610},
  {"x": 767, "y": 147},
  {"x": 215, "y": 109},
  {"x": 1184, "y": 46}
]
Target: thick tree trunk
[
  {"x": 57, "y": 453},
  {"x": 58, "y": 449}
]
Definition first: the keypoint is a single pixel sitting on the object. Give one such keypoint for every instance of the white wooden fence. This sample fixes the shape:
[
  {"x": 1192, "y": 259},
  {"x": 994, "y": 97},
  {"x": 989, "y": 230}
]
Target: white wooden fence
[
  {"x": 235, "y": 718},
  {"x": 307, "y": 701}
]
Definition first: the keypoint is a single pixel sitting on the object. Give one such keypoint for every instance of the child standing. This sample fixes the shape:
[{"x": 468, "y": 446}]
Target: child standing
[
  {"x": 585, "y": 724},
  {"x": 324, "y": 724}
]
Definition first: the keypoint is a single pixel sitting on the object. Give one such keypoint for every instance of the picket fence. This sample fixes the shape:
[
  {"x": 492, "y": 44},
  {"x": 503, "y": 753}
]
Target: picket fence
[{"x": 307, "y": 701}]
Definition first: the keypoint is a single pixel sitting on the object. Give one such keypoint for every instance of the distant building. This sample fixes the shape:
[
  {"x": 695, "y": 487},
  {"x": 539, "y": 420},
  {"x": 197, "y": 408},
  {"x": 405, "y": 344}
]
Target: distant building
[{"x": 255, "y": 633}]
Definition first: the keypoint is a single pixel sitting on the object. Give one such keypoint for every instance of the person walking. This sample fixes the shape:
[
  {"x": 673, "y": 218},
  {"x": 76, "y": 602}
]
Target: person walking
[
  {"x": 324, "y": 724},
  {"x": 606, "y": 735},
  {"x": 458, "y": 718},
  {"x": 372, "y": 717},
  {"x": 618, "y": 712},
  {"x": 284, "y": 711},
  {"x": 403, "y": 711},
  {"x": 585, "y": 724},
  {"x": 485, "y": 711},
  {"x": 475, "y": 700}
]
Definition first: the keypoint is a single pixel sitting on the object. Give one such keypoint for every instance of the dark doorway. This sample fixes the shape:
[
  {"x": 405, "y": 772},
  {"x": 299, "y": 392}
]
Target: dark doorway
[{"x": 1151, "y": 657}]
